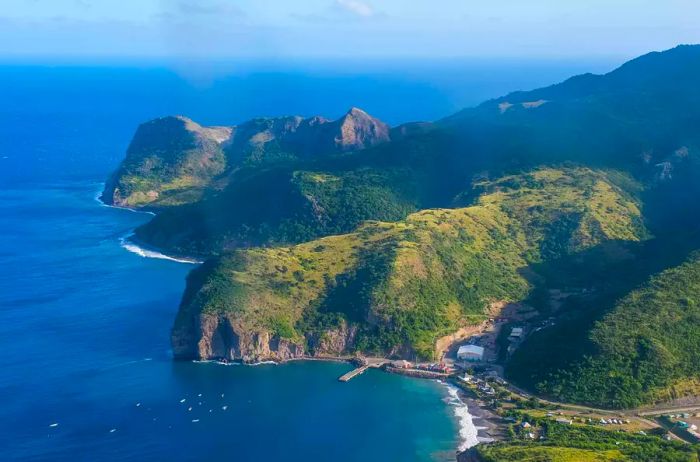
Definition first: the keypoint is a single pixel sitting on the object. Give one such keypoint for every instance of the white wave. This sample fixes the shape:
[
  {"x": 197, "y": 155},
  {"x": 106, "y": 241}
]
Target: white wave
[
  {"x": 233, "y": 363},
  {"x": 263, "y": 363},
  {"x": 468, "y": 432},
  {"x": 145, "y": 253},
  {"x": 212, "y": 361},
  {"x": 98, "y": 199}
]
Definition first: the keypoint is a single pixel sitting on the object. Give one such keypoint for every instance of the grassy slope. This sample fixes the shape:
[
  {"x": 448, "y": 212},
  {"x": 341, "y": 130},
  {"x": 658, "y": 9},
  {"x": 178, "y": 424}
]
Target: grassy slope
[
  {"x": 409, "y": 282},
  {"x": 576, "y": 443}
]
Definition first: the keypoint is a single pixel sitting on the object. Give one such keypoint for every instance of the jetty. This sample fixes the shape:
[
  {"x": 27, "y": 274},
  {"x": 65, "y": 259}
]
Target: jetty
[
  {"x": 353, "y": 373},
  {"x": 362, "y": 365}
]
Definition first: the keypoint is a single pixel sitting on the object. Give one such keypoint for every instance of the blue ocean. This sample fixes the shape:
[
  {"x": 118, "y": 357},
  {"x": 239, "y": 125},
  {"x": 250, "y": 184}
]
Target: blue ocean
[{"x": 86, "y": 373}]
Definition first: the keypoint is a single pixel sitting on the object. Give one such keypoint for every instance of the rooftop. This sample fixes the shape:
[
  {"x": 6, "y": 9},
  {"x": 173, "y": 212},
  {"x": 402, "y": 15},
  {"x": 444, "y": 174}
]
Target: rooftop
[{"x": 475, "y": 349}]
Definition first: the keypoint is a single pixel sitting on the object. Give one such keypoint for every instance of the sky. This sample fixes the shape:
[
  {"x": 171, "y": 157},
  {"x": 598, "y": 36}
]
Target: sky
[{"x": 291, "y": 29}]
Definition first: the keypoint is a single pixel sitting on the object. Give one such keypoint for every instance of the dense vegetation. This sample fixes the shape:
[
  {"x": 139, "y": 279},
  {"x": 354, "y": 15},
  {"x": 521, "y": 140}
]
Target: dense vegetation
[
  {"x": 291, "y": 206},
  {"x": 413, "y": 281},
  {"x": 574, "y": 443},
  {"x": 643, "y": 350}
]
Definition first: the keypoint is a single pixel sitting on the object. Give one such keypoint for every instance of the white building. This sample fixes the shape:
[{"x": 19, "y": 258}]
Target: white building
[
  {"x": 470, "y": 353},
  {"x": 517, "y": 332}
]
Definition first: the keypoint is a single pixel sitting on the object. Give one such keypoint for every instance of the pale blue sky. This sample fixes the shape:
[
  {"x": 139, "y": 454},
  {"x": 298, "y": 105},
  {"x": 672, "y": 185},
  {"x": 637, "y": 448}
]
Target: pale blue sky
[{"x": 343, "y": 28}]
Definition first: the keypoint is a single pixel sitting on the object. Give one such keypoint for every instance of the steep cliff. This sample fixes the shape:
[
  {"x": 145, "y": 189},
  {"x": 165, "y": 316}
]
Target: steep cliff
[{"x": 270, "y": 139}]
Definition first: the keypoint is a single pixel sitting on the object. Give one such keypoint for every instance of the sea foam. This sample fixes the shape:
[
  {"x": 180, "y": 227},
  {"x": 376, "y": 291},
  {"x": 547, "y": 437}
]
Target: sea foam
[
  {"x": 129, "y": 245},
  {"x": 468, "y": 432},
  {"x": 98, "y": 199},
  {"x": 140, "y": 251}
]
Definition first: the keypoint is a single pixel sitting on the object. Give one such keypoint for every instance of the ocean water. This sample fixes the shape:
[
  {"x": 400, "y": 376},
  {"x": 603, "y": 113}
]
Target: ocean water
[
  {"x": 84, "y": 327},
  {"x": 85, "y": 367}
]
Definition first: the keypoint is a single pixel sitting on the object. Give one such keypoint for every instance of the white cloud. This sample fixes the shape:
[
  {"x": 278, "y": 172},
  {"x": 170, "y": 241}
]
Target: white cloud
[{"x": 356, "y": 7}]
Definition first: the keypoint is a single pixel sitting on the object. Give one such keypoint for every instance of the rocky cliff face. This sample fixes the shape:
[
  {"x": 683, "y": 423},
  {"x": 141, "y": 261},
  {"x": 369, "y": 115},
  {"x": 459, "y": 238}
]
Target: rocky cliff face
[
  {"x": 261, "y": 139},
  {"x": 358, "y": 130},
  {"x": 219, "y": 336}
]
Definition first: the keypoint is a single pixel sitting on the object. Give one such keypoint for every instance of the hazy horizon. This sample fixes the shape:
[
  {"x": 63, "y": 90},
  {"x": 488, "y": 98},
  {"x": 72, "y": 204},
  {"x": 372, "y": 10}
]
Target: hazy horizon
[{"x": 211, "y": 30}]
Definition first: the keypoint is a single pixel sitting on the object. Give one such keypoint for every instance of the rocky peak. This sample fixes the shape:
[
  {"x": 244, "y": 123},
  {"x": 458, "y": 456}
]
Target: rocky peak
[
  {"x": 359, "y": 130},
  {"x": 311, "y": 136}
]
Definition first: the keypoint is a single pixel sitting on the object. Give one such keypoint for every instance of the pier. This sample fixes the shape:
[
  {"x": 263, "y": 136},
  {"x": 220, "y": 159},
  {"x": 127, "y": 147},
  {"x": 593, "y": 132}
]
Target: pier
[
  {"x": 353, "y": 373},
  {"x": 364, "y": 364}
]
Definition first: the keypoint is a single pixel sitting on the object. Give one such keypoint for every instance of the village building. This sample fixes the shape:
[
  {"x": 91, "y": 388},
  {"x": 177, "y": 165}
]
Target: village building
[
  {"x": 401, "y": 364},
  {"x": 516, "y": 332},
  {"x": 470, "y": 353}
]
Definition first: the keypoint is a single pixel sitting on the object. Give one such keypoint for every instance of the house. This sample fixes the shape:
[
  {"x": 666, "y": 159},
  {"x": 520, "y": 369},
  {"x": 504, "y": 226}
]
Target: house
[
  {"x": 516, "y": 333},
  {"x": 401, "y": 364},
  {"x": 470, "y": 353},
  {"x": 525, "y": 425},
  {"x": 564, "y": 421}
]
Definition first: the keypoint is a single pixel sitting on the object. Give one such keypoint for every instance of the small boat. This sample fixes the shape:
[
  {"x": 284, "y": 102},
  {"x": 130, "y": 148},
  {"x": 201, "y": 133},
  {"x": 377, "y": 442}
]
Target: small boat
[
  {"x": 223, "y": 408},
  {"x": 195, "y": 420},
  {"x": 53, "y": 425},
  {"x": 183, "y": 400},
  {"x": 113, "y": 430}
]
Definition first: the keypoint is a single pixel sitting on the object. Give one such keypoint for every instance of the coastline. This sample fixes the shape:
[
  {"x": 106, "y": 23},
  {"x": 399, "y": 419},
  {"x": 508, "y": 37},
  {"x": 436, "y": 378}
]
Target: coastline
[
  {"x": 98, "y": 199},
  {"x": 488, "y": 424},
  {"x": 478, "y": 423},
  {"x": 131, "y": 244},
  {"x": 334, "y": 359},
  {"x": 473, "y": 424},
  {"x": 468, "y": 431}
]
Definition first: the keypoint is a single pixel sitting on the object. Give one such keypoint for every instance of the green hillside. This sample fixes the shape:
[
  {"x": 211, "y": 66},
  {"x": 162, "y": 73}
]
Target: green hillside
[
  {"x": 574, "y": 443},
  {"x": 407, "y": 283},
  {"x": 169, "y": 162},
  {"x": 642, "y": 351}
]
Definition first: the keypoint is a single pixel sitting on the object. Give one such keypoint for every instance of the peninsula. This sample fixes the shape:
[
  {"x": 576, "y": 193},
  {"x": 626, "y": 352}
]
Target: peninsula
[{"x": 569, "y": 213}]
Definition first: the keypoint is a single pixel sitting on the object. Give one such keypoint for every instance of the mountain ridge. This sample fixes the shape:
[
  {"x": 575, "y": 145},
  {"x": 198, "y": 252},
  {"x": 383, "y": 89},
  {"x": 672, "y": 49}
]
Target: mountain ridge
[{"x": 205, "y": 154}]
